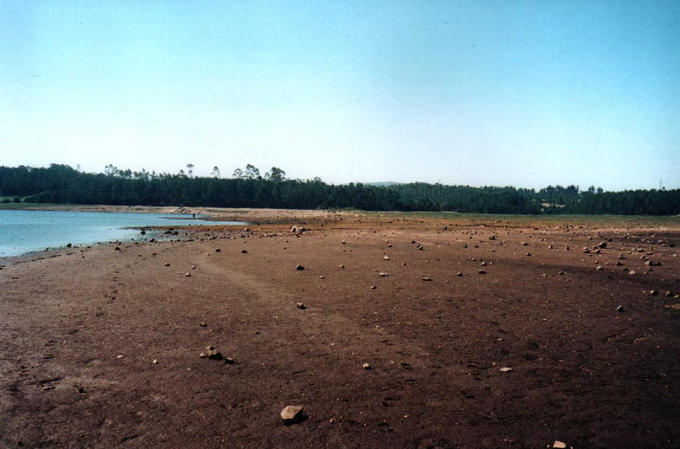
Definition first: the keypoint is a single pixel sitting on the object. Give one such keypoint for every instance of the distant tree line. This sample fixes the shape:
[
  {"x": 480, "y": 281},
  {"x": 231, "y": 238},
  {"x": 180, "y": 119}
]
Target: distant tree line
[{"x": 248, "y": 188}]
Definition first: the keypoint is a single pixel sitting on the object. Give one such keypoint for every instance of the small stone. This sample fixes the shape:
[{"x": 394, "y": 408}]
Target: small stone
[
  {"x": 211, "y": 353},
  {"x": 373, "y": 287},
  {"x": 167, "y": 264},
  {"x": 483, "y": 264},
  {"x": 203, "y": 324},
  {"x": 322, "y": 277},
  {"x": 427, "y": 279},
  {"x": 620, "y": 309},
  {"x": 559, "y": 445},
  {"x": 525, "y": 244},
  {"x": 366, "y": 366},
  {"x": 119, "y": 356},
  {"x": 300, "y": 306},
  {"x": 299, "y": 267},
  {"x": 668, "y": 294},
  {"x": 382, "y": 274},
  {"x": 292, "y": 413},
  {"x": 187, "y": 274},
  {"x": 481, "y": 271},
  {"x": 386, "y": 257},
  {"x": 561, "y": 273},
  {"x": 229, "y": 361},
  {"x": 244, "y": 251},
  {"x": 599, "y": 267},
  {"x": 653, "y": 292},
  {"x": 459, "y": 274},
  {"x": 341, "y": 266},
  {"x": 505, "y": 369},
  {"x": 632, "y": 272},
  {"x": 217, "y": 250}
]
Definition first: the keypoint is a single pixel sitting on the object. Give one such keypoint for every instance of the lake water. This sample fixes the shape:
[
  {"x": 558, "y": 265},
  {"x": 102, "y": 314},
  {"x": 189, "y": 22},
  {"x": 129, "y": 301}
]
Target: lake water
[{"x": 23, "y": 231}]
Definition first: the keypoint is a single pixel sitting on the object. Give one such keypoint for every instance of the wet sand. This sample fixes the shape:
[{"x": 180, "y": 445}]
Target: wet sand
[{"x": 80, "y": 330}]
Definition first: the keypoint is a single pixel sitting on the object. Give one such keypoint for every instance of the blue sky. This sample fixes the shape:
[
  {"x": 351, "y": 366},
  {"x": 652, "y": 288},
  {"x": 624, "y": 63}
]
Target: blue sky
[{"x": 481, "y": 93}]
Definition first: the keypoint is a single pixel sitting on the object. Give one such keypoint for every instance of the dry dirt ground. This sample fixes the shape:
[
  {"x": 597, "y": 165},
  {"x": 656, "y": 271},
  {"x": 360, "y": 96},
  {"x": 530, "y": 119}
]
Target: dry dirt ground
[{"x": 99, "y": 347}]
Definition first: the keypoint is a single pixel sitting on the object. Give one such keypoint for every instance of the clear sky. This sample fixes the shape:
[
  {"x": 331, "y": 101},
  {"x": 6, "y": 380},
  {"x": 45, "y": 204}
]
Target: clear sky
[{"x": 481, "y": 93}]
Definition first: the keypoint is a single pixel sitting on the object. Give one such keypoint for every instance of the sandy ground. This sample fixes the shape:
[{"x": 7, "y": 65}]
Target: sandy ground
[{"x": 494, "y": 334}]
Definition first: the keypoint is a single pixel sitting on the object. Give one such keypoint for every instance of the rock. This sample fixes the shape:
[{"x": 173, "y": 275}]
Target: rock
[
  {"x": 167, "y": 264},
  {"x": 366, "y": 366},
  {"x": 620, "y": 309},
  {"x": 154, "y": 361},
  {"x": 505, "y": 369},
  {"x": 459, "y": 274},
  {"x": 559, "y": 445},
  {"x": 217, "y": 250},
  {"x": 481, "y": 272},
  {"x": 653, "y": 292},
  {"x": 299, "y": 267},
  {"x": 525, "y": 244},
  {"x": 483, "y": 264},
  {"x": 602, "y": 245},
  {"x": 386, "y": 257},
  {"x": 493, "y": 237},
  {"x": 292, "y": 413},
  {"x": 632, "y": 272},
  {"x": 561, "y": 273},
  {"x": 187, "y": 274},
  {"x": 211, "y": 353},
  {"x": 550, "y": 247},
  {"x": 341, "y": 266},
  {"x": 300, "y": 306},
  {"x": 322, "y": 277},
  {"x": 599, "y": 268},
  {"x": 244, "y": 251},
  {"x": 427, "y": 278},
  {"x": 372, "y": 287},
  {"x": 203, "y": 324},
  {"x": 668, "y": 294},
  {"x": 382, "y": 274}
]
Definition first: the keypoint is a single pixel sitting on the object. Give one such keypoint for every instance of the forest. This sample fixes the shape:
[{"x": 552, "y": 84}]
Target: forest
[{"x": 246, "y": 187}]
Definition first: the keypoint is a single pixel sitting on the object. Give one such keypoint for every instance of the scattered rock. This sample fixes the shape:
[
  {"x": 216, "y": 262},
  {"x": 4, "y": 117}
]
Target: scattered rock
[
  {"x": 322, "y": 277},
  {"x": 632, "y": 272},
  {"x": 341, "y": 266},
  {"x": 366, "y": 366},
  {"x": 653, "y": 292},
  {"x": 244, "y": 251},
  {"x": 505, "y": 369},
  {"x": 167, "y": 264},
  {"x": 459, "y": 274},
  {"x": 620, "y": 309},
  {"x": 602, "y": 245},
  {"x": 292, "y": 413},
  {"x": 427, "y": 278},
  {"x": 203, "y": 324},
  {"x": 386, "y": 257},
  {"x": 300, "y": 305},
  {"x": 373, "y": 287},
  {"x": 187, "y": 274},
  {"x": 599, "y": 267},
  {"x": 299, "y": 267},
  {"x": 217, "y": 250},
  {"x": 559, "y": 445}
]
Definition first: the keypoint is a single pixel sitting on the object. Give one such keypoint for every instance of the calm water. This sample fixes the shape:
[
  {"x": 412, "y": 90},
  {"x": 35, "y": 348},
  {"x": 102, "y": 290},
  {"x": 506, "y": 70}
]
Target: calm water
[{"x": 23, "y": 231}]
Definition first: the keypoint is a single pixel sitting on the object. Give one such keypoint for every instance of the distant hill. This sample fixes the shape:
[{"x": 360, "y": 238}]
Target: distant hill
[{"x": 382, "y": 184}]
